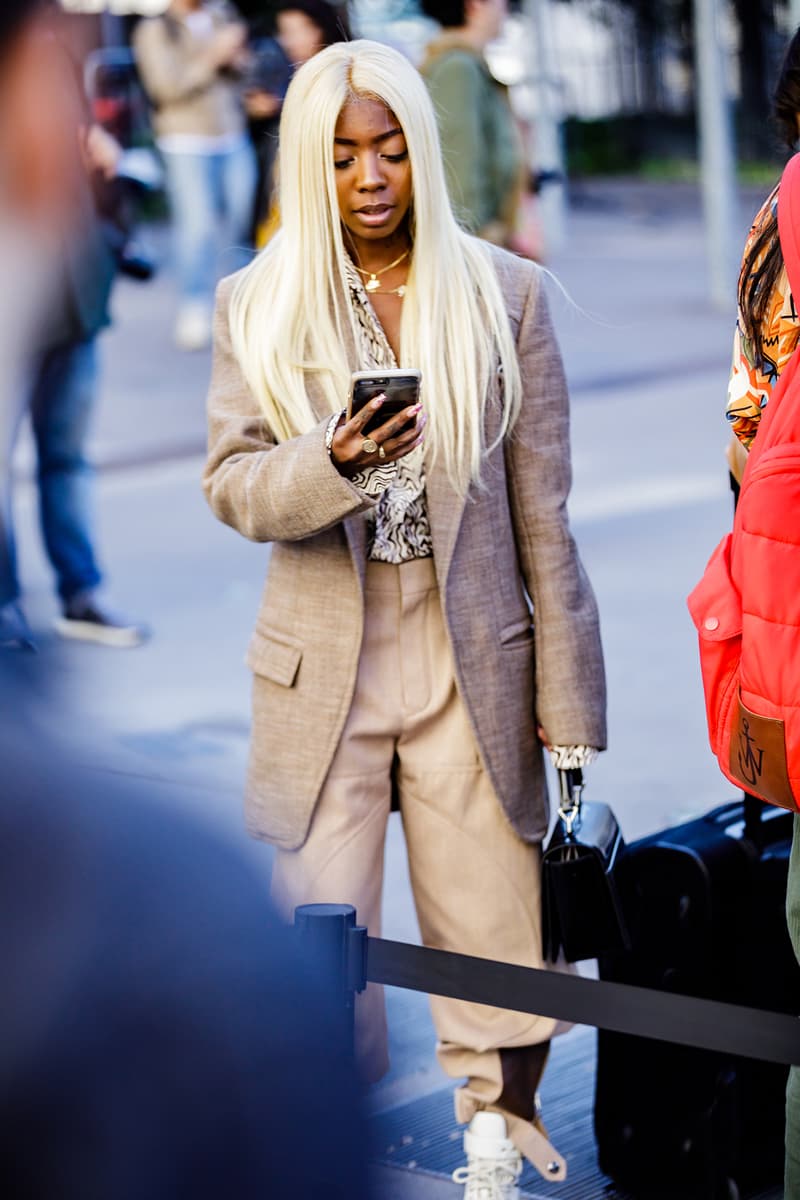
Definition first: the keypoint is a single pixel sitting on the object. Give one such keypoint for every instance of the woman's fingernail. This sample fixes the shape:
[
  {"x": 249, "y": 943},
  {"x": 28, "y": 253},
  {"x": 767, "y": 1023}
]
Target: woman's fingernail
[
  {"x": 378, "y": 401},
  {"x": 417, "y": 408}
]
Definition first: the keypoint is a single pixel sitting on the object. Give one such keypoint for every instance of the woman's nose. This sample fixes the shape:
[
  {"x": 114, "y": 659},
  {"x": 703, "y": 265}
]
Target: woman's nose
[{"x": 370, "y": 175}]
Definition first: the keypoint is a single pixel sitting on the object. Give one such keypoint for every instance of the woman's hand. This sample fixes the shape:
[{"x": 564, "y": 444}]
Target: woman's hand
[
  {"x": 228, "y": 43},
  {"x": 352, "y": 450},
  {"x": 101, "y": 151}
]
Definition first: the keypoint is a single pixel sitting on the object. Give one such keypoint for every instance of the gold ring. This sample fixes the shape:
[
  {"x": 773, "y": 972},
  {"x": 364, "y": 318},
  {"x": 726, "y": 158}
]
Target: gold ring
[
  {"x": 381, "y": 452},
  {"x": 369, "y": 446}
]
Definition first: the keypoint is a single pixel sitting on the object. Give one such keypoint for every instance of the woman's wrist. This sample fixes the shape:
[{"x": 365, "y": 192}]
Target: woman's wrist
[{"x": 333, "y": 425}]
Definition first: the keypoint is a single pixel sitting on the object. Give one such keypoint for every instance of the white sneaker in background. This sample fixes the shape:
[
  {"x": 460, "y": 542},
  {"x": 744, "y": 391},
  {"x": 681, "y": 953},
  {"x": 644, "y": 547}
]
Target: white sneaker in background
[
  {"x": 493, "y": 1162},
  {"x": 193, "y": 325}
]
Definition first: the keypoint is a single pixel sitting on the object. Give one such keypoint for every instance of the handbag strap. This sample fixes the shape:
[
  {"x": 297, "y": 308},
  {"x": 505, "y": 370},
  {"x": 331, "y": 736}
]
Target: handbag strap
[{"x": 570, "y": 783}]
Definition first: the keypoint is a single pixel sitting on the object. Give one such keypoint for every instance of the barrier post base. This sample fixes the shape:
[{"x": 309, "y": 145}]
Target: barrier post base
[{"x": 329, "y": 936}]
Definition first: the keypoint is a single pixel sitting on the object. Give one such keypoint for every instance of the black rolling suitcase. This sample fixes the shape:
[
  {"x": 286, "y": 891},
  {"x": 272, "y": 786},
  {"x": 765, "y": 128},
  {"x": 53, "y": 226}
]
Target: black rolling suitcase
[{"x": 706, "y": 902}]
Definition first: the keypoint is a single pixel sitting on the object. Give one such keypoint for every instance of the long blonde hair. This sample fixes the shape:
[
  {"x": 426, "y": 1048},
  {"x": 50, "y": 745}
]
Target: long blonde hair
[{"x": 291, "y": 306}]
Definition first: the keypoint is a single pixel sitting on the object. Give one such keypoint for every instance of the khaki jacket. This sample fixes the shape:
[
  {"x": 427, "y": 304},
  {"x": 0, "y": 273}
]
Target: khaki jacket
[
  {"x": 500, "y": 554},
  {"x": 189, "y": 93},
  {"x": 482, "y": 149}
]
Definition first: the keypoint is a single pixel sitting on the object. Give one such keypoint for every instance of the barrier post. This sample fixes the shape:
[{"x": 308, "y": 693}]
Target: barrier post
[{"x": 329, "y": 936}]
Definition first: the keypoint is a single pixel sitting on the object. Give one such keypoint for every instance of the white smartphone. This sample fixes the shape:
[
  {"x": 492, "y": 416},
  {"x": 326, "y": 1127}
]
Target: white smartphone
[{"x": 401, "y": 386}]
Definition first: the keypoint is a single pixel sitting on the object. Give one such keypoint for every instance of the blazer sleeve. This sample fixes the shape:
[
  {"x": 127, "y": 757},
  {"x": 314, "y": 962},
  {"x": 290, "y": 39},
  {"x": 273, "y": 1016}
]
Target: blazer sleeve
[
  {"x": 267, "y": 490},
  {"x": 570, "y": 675}
]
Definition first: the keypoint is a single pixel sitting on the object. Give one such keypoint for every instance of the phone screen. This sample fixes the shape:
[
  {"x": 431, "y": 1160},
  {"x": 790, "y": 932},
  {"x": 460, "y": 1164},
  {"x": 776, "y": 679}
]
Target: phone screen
[{"x": 401, "y": 392}]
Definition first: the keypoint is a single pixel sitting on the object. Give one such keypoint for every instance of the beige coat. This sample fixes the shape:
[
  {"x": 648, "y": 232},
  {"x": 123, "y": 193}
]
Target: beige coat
[
  {"x": 189, "y": 92},
  {"x": 492, "y": 552}
]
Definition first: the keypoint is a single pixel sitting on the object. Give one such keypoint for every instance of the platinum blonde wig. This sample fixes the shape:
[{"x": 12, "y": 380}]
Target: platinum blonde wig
[{"x": 291, "y": 305}]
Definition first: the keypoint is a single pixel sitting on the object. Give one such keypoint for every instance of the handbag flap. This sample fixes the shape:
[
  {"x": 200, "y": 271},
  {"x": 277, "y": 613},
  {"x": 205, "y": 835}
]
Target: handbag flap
[{"x": 595, "y": 833}]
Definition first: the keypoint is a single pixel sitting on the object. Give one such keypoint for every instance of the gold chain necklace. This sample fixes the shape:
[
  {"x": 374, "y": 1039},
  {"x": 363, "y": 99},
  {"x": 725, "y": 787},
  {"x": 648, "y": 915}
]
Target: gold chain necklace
[
  {"x": 373, "y": 283},
  {"x": 398, "y": 291}
]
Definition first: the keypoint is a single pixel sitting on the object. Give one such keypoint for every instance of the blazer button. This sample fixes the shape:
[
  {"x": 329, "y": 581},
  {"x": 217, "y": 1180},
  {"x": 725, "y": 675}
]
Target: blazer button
[{"x": 711, "y": 623}]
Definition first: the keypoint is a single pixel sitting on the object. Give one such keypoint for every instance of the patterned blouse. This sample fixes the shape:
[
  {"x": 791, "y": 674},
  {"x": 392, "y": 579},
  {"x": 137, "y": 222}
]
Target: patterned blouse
[
  {"x": 751, "y": 383},
  {"x": 398, "y": 527}
]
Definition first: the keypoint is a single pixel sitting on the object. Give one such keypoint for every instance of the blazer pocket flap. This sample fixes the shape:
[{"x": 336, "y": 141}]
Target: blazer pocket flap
[{"x": 275, "y": 656}]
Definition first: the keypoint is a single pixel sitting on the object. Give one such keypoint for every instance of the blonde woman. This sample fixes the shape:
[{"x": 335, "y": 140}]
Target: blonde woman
[{"x": 426, "y": 623}]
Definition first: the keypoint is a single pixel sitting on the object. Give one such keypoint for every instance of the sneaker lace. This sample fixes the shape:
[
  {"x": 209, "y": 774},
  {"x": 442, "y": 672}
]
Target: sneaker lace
[{"x": 488, "y": 1178}]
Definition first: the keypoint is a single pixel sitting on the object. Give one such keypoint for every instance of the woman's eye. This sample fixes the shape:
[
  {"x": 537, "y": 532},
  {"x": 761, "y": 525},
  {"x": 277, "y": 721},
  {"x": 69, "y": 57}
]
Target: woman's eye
[
  {"x": 396, "y": 158},
  {"x": 340, "y": 163}
]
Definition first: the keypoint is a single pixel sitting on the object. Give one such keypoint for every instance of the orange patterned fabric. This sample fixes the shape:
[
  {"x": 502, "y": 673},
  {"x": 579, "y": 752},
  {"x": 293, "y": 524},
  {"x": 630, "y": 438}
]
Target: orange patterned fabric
[{"x": 751, "y": 383}]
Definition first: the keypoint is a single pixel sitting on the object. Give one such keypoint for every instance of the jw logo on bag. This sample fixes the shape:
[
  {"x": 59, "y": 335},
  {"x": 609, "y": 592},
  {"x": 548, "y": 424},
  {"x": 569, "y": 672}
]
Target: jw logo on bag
[
  {"x": 758, "y": 757},
  {"x": 750, "y": 758}
]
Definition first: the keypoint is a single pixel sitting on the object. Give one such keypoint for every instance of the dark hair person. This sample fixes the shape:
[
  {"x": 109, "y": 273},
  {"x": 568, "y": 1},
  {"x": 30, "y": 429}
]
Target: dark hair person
[
  {"x": 767, "y": 328},
  {"x": 303, "y": 28},
  {"x": 394, "y": 648}
]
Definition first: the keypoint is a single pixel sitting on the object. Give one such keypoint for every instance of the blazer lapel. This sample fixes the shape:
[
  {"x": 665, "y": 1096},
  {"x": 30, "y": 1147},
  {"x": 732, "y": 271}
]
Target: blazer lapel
[
  {"x": 445, "y": 510},
  {"x": 445, "y": 506}
]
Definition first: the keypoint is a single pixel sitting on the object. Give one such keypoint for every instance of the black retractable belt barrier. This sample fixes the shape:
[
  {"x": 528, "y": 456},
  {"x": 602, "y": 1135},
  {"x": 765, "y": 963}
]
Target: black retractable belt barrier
[{"x": 355, "y": 959}]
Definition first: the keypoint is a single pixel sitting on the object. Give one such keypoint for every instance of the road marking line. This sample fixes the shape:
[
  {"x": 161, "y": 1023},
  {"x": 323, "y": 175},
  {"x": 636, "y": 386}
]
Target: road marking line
[{"x": 645, "y": 495}]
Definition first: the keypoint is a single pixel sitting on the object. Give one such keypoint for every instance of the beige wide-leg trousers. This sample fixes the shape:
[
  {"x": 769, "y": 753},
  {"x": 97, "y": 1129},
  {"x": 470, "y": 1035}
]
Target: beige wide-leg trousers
[{"x": 475, "y": 882}]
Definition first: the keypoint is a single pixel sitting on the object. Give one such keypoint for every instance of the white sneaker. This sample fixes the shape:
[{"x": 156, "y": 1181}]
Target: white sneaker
[
  {"x": 193, "y": 325},
  {"x": 493, "y": 1162}
]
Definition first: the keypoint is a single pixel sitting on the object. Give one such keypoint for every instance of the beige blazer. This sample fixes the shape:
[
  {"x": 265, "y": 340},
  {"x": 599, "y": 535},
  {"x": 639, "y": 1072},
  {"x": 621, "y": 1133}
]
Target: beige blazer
[{"x": 519, "y": 609}]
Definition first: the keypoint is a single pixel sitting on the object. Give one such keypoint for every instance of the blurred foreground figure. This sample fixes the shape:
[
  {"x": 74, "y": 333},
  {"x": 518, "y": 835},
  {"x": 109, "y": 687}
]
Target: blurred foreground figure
[
  {"x": 161, "y": 1039},
  {"x": 55, "y": 378}
]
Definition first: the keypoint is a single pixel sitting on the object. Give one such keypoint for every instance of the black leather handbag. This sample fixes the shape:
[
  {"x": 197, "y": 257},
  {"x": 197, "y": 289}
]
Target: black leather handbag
[{"x": 581, "y": 909}]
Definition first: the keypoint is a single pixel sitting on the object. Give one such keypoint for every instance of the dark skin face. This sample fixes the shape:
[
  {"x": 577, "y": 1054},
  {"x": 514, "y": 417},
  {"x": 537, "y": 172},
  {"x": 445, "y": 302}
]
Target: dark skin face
[
  {"x": 373, "y": 187},
  {"x": 373, "y": 182}
]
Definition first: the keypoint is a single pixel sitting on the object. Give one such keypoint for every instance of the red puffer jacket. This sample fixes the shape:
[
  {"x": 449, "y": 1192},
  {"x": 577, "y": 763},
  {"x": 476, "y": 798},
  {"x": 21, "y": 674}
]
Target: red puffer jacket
[{"x": 746, "y": 608}]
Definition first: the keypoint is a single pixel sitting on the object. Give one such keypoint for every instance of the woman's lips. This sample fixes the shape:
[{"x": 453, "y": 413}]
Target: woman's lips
[{"x": 374, "y": 214}]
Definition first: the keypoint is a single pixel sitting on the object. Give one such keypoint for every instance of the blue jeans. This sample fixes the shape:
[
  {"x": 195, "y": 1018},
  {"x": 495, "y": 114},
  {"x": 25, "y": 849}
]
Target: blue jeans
[
  {"x": 211, "y": 200},
  {"x": 61, "y": 400}
]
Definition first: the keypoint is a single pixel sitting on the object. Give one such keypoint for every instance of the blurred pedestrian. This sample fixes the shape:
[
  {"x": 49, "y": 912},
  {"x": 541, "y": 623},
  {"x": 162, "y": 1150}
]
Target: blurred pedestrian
[
  {"x": 394, "y": 651},
  {"x": 481, "y": 144},
  {"x": 190, "y": 59},
  {"x": 58, "y": 389},
  {"x": 160, "y": 1037},
  {"x": 303, "y": 28},
  {"x": 766, "y": 338}
]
